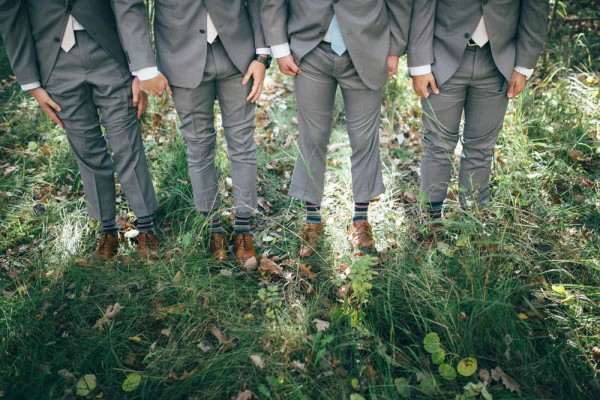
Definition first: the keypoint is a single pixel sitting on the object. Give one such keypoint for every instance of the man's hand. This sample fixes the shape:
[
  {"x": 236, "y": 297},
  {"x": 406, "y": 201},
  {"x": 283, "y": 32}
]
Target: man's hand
[
  {"x": 256, "y": 71},
  {"x": 157, "y": 85},
  {"x": 392, "y": 65},
  {"x": 140, "y": 99},
  {"x": 288, "y": 66},
  {"x": 422, "y": 83},
  {"x": 47, "y": 104},
  {"x": 516, "y": 85}
]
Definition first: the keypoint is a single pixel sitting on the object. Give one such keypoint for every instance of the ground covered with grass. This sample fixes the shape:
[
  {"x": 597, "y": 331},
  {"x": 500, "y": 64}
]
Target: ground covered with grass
[{"x": 503, "y": 304}]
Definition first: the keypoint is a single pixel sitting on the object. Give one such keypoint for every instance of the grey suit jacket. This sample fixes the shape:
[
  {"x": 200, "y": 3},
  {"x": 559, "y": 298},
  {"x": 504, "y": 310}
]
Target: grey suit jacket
[
  {"x": 372, "y": 30},
  {"x": 32, "y": 31},
  {"x": 180, "y": 35},
  {"x": 441, "y": 29}
]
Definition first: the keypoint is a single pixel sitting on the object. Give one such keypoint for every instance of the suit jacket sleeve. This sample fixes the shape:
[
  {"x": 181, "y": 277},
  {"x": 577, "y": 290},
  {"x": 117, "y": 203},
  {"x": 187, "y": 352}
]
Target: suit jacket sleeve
[
  {"x": 399, "y": 13},
  {"x": 531, "y": 32},
  {"x": 274, "y": 21},
  {"x": 255, "y": 21},
  {"x": 420, "y": 38},
  {"x": 134, "y": 31},
  {"x": 18, "y": 41}
]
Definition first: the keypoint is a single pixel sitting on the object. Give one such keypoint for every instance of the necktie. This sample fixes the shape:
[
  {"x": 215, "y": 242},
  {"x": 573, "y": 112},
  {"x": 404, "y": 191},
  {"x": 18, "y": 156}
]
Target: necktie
[
  {"x": 480, "y": 35},
  {"x": 68, "y": 40},
  {"x": 211, "y": 31},
  {"x": 337, "y": 41}
]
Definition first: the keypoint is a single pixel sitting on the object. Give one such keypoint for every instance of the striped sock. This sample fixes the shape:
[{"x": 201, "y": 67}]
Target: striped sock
[
  {"x": 110, "y": 227},
  {"x": 145, "y": 224},
  {"x": 361, "y": 211},
  {"x": 313, "y": 213},
  {"x": 215, "y": 222},
  {"x": 241, "y": 223}
]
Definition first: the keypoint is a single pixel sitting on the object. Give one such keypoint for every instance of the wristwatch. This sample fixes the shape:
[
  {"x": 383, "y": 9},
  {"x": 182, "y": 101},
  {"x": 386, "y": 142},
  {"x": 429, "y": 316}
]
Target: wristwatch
[{"x": 264, "y": 60}]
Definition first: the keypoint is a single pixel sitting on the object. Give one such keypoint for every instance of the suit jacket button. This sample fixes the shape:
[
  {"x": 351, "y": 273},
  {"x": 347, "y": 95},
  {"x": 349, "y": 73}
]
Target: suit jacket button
[
  {"x": 57, "y": 39},
  {"x": 467, "y": 35},
  {"x": 202, "y": 31}
]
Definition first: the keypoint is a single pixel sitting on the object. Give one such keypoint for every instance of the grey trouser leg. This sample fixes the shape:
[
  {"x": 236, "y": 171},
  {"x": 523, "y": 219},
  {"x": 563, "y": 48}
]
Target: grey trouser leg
[
  {"x": 322, "y": 72},
  {"x": 87, "y": 79},
  {"x": 477, "y": 88},
  {"x": 223, "y": 81}
]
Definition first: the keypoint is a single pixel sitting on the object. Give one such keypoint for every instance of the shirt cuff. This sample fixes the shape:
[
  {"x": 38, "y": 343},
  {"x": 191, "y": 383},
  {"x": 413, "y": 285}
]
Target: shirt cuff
[
  {"x": 30, "y": 86},
  {"x": 263, "y": 50},
  {"x": 281, "y": 50},
  {"x": 147, "y": 73},
  {"x": 420, "y": 70},
  {"x": 524, "y": 71}
]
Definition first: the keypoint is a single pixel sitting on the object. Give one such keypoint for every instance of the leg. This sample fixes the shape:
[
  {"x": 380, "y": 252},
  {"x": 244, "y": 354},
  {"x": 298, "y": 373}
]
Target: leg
[
  {"x": 238, "y": 117},
  {"x": 441, "y": 121},
  {"x": 68, "y": 87},
  {"x": 111, "y": 92},
  {"x": 484, "y": 115},
  {"x": 196, "y": 112},
  {"x": 315, "y": 95}
]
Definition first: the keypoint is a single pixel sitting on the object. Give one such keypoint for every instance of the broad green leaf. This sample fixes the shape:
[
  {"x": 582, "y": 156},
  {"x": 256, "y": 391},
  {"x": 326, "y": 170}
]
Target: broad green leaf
[
  {"x": 438, "y": 357},
  {"x": 355, "y": 384},
  {"x": 320, "y": 354},
  {"x": 32, "y": 146},
  {"x": 402, "y": 387},
  {"x": 85, "y": 385},
  {"x": 432, "y": 343},
  {"x": 356, "y": 396},
  {"x": 447, "y": 372},
  {"x": 467, "y": 366},
  {"x": 132, "y": 382},
  {"x": 559, "y": 289},
  {"x": 262, "y": 389},
  {"x": 428, "y": 384},
  {"x": 186, "y": 240}
]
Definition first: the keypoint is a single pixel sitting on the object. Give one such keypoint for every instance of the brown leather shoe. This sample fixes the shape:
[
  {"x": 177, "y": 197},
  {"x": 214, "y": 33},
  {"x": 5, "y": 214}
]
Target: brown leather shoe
[
  {"x": 362, "y": 237},
  {"x": 218, "y": 246},
  {"x": 148, "y": 245},
  {"x": 311, "y": 237},
  {"x": 107, "y": 247},
  {"x": 244, "y": 248}
]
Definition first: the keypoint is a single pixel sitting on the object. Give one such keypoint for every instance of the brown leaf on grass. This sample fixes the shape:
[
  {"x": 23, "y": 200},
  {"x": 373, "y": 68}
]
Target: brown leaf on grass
[
  {"x": 596, "y": 353},
  {"x": 305, "y": 270},
  {"x": 299, "y": 366},
  {"x": 81, "y": 262},
  {"x": 257, "y": 361},
  {"x": 499, "y": 375},
  {"x": 206, "y": 302},
  {"x": 575, "y": 155},
  {"x": 228, "y": 344},
  {"x": 264, "y": 204},
  {"x": 484, "y": 376},
  {"x": 410, "y": 197},
  {"x": 321, "y": 325},
  {"x": 227, "y": 273},
  {"x": 177, "y": 277},
  {"x": 245, "y": 395},
  {"x": 109, "y": 312},
  {"x": 181, "y": 377},
  {"x": 250, "y": 264},
  {"x": 166, "y": 332},
  {"x": 267, "y": 266}
]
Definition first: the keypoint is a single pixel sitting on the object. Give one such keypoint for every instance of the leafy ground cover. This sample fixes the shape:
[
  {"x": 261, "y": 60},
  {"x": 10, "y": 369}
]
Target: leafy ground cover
[{"x": 503, "y": 305}]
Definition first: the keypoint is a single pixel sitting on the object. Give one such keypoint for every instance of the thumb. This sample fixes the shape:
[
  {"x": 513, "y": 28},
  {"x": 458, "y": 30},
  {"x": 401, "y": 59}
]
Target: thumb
[
  {"x": 168, "y": 88},
  {"x": 434, "y": 87},
  {"x": 55, "y": 106},
  {"x": 510, "y": 93},
  {"x": 246, "y": 77},
  {"x": 135, "y": 98}
]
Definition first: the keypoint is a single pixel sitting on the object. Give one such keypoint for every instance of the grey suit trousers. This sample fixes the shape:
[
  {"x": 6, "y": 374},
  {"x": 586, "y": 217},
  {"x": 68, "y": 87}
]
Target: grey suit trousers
[
  {"x": 322, "y": 72},
  {"x": 223, "y": 81},
  {"x": 83, "y": 81},
  {"x": 477, "y": 88}
]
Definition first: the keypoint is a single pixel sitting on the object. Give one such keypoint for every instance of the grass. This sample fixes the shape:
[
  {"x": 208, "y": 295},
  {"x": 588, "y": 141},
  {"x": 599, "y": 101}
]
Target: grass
[{"x": 514, "y": 285}]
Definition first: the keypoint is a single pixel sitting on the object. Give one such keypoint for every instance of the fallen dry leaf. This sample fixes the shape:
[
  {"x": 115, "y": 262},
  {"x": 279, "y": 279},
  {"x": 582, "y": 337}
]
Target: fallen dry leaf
[
  {"x": 268, "y": 266},
  {"x": 305, "y": 270},
  {"x": 81, "y": 262},
  {"x": 484, "y": 376},
  {"x": 226, "y": 273},
  {"x": 509, "y": 383},
  {"x": 110, "y": 312},
  {"x": 321, "y": 325},
  {"x": 177, "y": 277},
  {"x": 166, "y": 332},
  {"x": 257, "y": 361},
  {"x": 575, "y": 155},
  {"x": 181, "y": 377},
  {"x": 245, "y": 395},
  {"x": 229, "y": 344},
  {"x": 250, "y": 264}
]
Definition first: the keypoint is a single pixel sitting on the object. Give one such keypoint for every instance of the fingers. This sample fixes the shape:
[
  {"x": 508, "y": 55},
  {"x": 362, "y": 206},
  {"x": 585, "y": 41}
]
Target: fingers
[
  {"x": 142, "y": 104},
  {"x": 168, "y": 88},
  {"x": 136, "y": 98},
  {"x": 287, "y": 66},
  {"x": 247, "y": 77},
  {"x": 52, "y": 114},
  {"x": 511, "y": 90},
  {"x": 434, "y": 86},
  {"x": 255, "y": 92}
]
